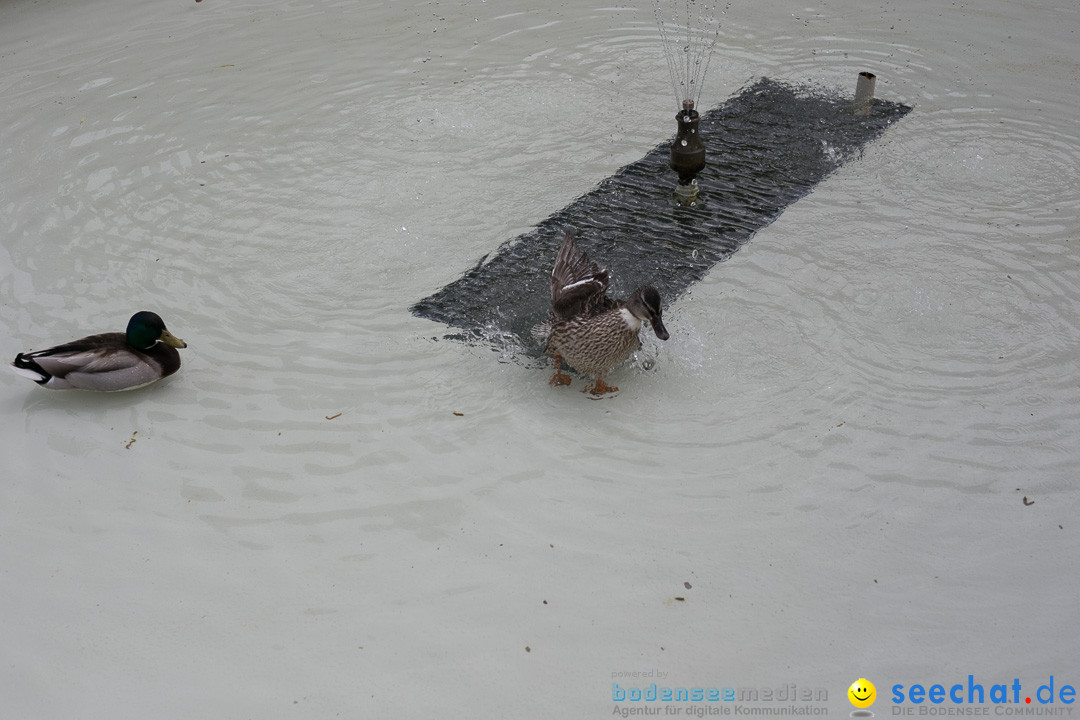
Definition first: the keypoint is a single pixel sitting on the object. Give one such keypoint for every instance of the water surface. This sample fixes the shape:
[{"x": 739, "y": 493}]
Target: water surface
[{"x": 331, "y": 510}]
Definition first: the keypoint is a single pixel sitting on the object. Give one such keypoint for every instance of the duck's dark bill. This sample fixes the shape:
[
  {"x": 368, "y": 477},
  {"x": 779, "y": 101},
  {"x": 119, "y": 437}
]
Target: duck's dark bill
[
  {"x": 767, "y": 147},
  {"x": 659, "y": 329}
]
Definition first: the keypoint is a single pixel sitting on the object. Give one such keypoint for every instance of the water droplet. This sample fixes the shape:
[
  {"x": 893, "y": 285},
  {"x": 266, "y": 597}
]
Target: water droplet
[{"x": 683, "y": 143}]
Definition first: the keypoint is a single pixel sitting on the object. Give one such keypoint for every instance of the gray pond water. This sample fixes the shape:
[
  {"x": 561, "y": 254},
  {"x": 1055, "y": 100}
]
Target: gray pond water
[{"x": 855, "y": 457}]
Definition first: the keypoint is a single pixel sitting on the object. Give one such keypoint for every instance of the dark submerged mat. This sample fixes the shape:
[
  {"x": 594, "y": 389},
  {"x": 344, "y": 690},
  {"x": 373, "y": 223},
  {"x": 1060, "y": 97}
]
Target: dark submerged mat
[{"x": 767, "y": 147}]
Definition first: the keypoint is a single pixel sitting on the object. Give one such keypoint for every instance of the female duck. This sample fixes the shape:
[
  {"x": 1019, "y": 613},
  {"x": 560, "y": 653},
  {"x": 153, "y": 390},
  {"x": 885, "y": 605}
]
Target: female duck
[
  {"x": 109, "y": 361},
  {"x": 589, "y": 330}
]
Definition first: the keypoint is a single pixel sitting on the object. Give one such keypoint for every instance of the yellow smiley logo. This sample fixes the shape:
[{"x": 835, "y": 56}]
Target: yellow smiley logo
[{"x": 862, "y": 693}]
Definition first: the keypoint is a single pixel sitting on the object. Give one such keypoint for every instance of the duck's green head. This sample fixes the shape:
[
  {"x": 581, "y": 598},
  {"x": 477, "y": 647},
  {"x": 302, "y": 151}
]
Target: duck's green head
[{"x": 146, "y": 328}]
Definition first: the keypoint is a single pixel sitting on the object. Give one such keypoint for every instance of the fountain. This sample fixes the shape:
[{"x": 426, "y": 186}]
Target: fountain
[
  {"x": 688, "y": 33},
  {"x": 770, "y": 144}
]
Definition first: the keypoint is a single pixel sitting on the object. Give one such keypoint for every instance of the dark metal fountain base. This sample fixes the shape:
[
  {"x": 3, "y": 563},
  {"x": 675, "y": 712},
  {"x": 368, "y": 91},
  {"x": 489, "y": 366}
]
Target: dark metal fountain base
[{"x": 768, "y": 146}]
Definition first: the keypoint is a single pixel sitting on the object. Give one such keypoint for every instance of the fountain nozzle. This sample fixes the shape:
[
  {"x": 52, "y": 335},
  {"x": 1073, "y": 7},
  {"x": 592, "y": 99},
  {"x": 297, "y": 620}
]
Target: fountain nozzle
[
  {"x": 687, "y": 154},
  {"x": 688, "y": 151}
]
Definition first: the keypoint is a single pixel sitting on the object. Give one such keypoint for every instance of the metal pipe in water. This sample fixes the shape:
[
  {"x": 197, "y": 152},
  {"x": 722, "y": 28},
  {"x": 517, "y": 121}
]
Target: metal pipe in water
[{"x": 864, "y": 93}]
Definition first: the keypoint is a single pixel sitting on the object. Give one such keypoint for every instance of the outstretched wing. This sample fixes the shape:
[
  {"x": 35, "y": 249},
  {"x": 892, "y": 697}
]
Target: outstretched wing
[{"x": 577, "y": 284}]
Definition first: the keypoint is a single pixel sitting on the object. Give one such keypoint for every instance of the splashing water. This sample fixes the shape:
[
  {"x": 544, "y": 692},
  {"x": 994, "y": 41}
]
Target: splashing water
[{"x": 688, "y": 32}]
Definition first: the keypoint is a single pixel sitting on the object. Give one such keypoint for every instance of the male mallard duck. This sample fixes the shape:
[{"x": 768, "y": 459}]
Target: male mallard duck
[
  {"x": 589, "y": 330},
  {"x": 109, "y": 361}
]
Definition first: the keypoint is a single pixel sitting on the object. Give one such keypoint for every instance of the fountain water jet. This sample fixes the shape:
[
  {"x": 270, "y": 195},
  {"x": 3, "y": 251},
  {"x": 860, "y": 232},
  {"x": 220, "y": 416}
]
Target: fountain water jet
[{"x": 688, "y": 35}]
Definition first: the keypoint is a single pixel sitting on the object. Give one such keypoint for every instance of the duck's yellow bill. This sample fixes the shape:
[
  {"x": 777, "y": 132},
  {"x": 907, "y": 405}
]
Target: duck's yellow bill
[{"x": 169, "y": 339}]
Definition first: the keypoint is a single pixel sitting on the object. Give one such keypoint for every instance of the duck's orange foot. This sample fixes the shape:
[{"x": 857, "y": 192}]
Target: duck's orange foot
[
  {"x": 559, "y": 378},
  {"x": 600, "y": 388}
]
